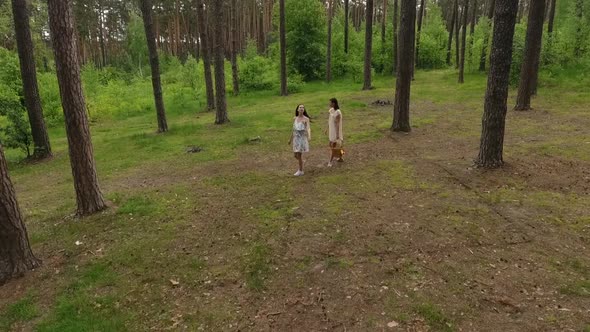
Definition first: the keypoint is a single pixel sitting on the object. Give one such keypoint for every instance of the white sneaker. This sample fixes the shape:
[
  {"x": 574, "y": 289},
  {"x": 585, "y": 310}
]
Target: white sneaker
[
  {"x": 299, "y": 173},
  {"x": 330, "y": 164}
]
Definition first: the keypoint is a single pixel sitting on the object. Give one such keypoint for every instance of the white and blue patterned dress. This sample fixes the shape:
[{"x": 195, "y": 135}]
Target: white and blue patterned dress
[{"x": 300, "y": 137}]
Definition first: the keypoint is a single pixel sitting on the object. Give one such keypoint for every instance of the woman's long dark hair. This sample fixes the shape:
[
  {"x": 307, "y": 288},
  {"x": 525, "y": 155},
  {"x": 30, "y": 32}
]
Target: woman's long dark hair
[
  {"x": 335, "y": 102},
  {"x": 304, "y": 112}
]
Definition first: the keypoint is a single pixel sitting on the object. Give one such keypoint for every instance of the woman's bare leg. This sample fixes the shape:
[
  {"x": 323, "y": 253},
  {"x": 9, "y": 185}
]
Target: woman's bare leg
[{"x": 300, "y": 159}]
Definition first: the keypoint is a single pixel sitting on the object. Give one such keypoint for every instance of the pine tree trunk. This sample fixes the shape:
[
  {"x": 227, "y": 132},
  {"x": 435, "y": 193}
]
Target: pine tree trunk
[
  {"x": 283, "y": 41},
  {"x": 221, "y": 117},
  {"x": 329, "y": 47},
  {"x": 463, "y": 42},
  {"x": 407, "y": 36},
  {"x": 16, "y": 256},
  {"x": 148, "y": 24},
  {"x": 494, "y": 117},
  {"x": 28, "y": 71},
  {"x": 63, "y": 35},
  {"x": 234, "y": 46},
  {"x": 532, "y": 53},
  {"x": 420, "y": 17},
  {"x": 395, "y": 36},
  {"x": 473, "y": 19},
  {"x": 383, "y": 25},
  {"x": 457, "y": 40},
  {"x": 103, "y": 49},
  {"x": 579, "y": 42},
  {"x": 346, "y": 24},
  {"x": 368, "y": 46},
  {"x": 484, "y": 51},
  {"x": 520, "y": 9},
  {"x": 206, "y": 52},
  {"x": 551, "y": 18},
  {"x": 451, "y": 32}
]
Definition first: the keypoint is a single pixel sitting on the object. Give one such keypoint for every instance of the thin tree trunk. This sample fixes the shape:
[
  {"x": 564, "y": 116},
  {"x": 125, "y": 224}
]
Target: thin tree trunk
[
  {"x": 457, "y": 40},
  {"x": 420, "y": 17},
  {"x": 551, "y": 18},
  {"x": 463, "y": 42},
  {"x": 346, "y": 24},
  {"x": 63, "y": 35},
  {"x": 451, "y": 32},
  {"x": 148, "y": 24},
  {"x": 28, "y": 71},
  {"x": 221, "y": 117},
  {"x": 368, "y": 46},
  {"x": 395, "y": 36},
  {"x": 103, "y": 51},
  {"x": 234, "y": 46},
  {"x": 532, "y": 53},
  {"x": 283, "y": 41},
  {"x": 407, "y": 36},
  {"x": 520, "y": 9},
  {"x": 494, "y": 117},
  {"x": 206, "y": 51},
  {"x": 579, "y": 42},
  {"x": 329, "y": 47},
  {"x": 473, "y": 19},
  {"x": 484, "y": 51},
  {"x": 383, "y": 25},
  {"x": 16, "y": 256}
]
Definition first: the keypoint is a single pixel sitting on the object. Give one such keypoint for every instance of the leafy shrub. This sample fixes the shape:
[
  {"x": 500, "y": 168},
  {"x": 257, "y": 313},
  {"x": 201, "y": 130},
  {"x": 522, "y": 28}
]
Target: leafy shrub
[
  {"x": 433, "y": 40},
  {"x": 15, "y": 131},
  {"x": 306, "y": 33}
]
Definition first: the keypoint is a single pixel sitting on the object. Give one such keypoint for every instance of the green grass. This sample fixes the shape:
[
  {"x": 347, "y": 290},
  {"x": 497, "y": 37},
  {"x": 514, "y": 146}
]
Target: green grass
[
  {"x": 231, "y": 222},
  {"x": 579, "y": 288},
  {"x": 87, "y": 304},
  {"x": 21, "y": 311},
  {"x": 435, "y": 318},
  {"x": 257, "y": 266}
]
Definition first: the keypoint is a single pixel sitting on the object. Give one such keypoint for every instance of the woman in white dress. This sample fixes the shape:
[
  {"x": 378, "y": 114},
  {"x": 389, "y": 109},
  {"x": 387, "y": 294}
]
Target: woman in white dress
[
  {"x": 300, "y": 136},
  {"x": 335, "y": 134}
]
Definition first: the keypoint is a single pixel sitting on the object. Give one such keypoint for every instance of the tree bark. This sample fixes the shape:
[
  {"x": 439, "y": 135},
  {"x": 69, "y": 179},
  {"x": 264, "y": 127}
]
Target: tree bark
[
  {"x": 368, "y": 46},
  {"x": 234, "y": 46},
  {"x": 484, "y": 51},
  {"x": 346, "y": 24},
  {"x": 420, "y": 17},
  {"x": 383, "y": 25},
  {"x": 103, "y": 49},
  {"x": 457, "y": 40},
  {"x": 463, "y": 42},
  {"x": 520, "y": 10},
  {"x": 532, "y": 53},
  {"x": 283, "y": 41},
  {"x": 63, "y": 35},
  {"x": 148, "y": 24},
  {"x": 329, "y": 47},
  {"x": 407, "y": 36},
  {"x": 451, "y": 32},
  {"x": 219, "y": 62},
  {"x": 206, "y": 52},
  {"x": 473, "y": 19},
  {"x": 28, "y": 71},
  {"x": 494, "y": 117},
  {"x": 16, "y": 256},
  {"x": 579, "y": 42},
  {"x": 395, "y": 36},
  {"x": 551, "y": 18}
]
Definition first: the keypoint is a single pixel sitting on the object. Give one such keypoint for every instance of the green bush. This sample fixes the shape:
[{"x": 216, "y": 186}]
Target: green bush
[
  {"x": 14, "y": 130},
  {"x": 306, "y": 33},
  {"x": 433, "y": 40}
]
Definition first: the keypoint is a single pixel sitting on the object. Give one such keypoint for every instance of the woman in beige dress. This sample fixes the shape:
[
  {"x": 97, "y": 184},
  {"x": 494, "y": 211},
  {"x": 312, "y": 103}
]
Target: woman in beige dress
[{"x": 335, "y": 132}]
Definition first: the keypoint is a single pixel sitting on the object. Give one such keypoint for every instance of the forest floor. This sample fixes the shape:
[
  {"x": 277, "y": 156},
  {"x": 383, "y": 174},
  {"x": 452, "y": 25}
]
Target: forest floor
[{"x": 404, "y": 236}]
